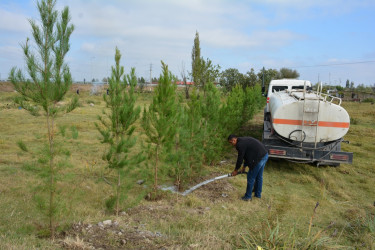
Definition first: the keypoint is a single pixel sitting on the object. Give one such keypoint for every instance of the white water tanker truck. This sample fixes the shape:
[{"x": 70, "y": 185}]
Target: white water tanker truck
[{"x": 303, "y": 125}]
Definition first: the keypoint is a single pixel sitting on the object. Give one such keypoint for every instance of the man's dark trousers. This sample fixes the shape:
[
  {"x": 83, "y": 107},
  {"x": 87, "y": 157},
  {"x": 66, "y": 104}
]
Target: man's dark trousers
[{"x": 256, "y": 176}]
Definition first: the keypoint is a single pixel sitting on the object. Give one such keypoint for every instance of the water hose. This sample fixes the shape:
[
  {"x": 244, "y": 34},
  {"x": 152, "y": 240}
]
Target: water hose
[{"x": 188, "y": 191}]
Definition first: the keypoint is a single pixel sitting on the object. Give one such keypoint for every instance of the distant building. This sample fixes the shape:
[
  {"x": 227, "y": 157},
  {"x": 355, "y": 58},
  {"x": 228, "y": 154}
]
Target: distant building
[
  {"x": 333, "y": 92},
  {"x": 182, "y": 83},
  {"x": 178, "y": 83}
]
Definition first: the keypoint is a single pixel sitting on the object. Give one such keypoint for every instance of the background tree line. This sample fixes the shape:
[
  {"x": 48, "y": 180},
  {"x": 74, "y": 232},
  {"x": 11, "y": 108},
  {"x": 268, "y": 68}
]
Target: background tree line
[
  {"x": 204, "y": 71},
  {"x": 349, "y": 86}
]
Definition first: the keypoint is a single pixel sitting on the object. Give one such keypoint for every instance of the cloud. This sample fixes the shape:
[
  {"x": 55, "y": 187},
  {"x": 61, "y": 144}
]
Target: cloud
[
  {"x": 243, "y": 34},
  {"x": 88, "y": 47},
  {"x": 227, "y": 38},
  {"x": 149, "y": 31},
  {"x": 370, "y": 55},
  {"x": 10, "y": 50},
  {"x": 171, "y": 19},
  {"x": 11, "y": 21},
  {"x": 172, "y": 24},
  {"x": 10, "y": 56},
  {"x": 297, "y": 4}
]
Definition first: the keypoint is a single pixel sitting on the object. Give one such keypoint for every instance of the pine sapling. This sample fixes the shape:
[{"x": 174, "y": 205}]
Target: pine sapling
[
  {"x": 253, "y": 101},
  {"x": 232, "y": 111},
  {"x": 177, "y": 156},
  {"x": 194, "y": 139},
  {"x": 159, "y": 121},
  {"x": 212, "y": 127},
  {"x": 117, "y": 126}
]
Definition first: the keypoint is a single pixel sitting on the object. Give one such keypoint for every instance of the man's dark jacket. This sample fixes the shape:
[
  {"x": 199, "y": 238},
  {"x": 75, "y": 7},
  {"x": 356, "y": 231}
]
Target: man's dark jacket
[{"x": 249, "y": 150}]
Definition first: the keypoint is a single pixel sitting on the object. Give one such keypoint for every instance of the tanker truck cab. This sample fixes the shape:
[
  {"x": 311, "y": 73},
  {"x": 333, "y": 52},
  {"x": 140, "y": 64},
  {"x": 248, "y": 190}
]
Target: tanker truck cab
[{"x": 304, "y": 125}]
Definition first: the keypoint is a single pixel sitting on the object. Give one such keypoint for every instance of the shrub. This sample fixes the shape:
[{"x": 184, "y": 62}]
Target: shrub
[{"x": 372, "y": 100}]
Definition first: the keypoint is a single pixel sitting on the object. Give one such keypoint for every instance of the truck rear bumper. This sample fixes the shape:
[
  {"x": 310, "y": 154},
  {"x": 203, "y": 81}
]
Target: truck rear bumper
[{"x": 322, "y": 157}]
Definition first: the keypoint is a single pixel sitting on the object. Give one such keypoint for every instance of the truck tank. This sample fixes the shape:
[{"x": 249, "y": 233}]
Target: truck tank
[
  {"x": 305, "y": 126},
  {"x": 307, "y": 116}
]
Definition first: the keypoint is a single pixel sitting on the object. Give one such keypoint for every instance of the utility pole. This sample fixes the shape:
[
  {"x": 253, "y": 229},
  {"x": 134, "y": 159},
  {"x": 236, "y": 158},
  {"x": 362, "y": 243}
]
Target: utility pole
[
  {"x": 263, "y": 77},
  {"x": 92, "y": 69},
  {"x": 329, "y": 78},
  {"x": 150, "y": 73},
  {"x": 263, "y": 87}
]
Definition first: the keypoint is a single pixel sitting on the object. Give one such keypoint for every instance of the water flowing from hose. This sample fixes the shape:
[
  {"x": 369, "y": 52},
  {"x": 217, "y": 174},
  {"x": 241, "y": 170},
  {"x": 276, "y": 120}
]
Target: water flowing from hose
[{"x": 186, "y": 192}]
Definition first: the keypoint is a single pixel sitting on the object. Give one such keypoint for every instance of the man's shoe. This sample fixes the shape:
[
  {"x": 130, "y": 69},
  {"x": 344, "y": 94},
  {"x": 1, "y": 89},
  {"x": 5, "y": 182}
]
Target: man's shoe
[{"x": 245, "y": 199}]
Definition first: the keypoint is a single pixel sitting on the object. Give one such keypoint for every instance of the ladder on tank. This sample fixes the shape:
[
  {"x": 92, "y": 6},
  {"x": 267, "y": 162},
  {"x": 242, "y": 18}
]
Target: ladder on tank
[{"x": 314, "y": 123}]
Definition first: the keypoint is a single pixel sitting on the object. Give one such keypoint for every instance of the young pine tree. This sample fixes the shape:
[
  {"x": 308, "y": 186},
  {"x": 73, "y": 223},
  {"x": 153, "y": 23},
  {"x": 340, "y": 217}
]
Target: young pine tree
[
  {"x": 194, "y": 137},
  {"x": 176, "y": 158},
  {"x": 253, "y": 101},
  {"x": 240, "y": 107},
  {"x": 159, "y": 121},
  {"x": 184, "y": 158},
  {"x": 233, "y": 110},
  {"x": 117, "y": 127},
  {"x": 47, "y": 82},
  {"x": 212, "y": 126}
]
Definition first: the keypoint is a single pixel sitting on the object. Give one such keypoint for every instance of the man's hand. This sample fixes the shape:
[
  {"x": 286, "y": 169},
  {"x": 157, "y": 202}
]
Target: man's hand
[
  {"x": 243, "y": 169},
  {"x": 234, "y": 173}
]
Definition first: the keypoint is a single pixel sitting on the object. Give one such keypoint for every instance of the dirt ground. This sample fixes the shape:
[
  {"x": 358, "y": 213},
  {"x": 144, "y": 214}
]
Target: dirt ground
[
  {"x": 128, "y": 232},
  {"x": 112, "y": 235},
  {"x": 6, "y": 87},
  {"x": 216, "y": 191}
]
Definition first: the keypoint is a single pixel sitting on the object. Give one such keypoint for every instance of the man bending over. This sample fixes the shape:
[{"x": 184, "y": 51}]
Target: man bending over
[{"x": 253, "y": 154}]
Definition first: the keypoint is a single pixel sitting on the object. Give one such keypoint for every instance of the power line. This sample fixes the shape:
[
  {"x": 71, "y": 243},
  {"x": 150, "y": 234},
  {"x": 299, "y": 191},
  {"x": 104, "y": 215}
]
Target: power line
[{"x": 333, "y": 64}]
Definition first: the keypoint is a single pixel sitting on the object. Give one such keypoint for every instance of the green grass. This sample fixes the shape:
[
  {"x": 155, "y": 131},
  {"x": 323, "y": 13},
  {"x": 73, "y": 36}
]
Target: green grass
[{"x": 283, "y": 218}]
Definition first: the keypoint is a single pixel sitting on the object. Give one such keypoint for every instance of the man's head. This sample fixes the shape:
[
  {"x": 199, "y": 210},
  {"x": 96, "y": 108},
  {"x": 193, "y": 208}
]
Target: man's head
[{"x": 232, "y": 139}]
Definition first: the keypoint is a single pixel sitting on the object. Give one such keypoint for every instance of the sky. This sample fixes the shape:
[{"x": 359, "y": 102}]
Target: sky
[{"x": 324, "y": 40}]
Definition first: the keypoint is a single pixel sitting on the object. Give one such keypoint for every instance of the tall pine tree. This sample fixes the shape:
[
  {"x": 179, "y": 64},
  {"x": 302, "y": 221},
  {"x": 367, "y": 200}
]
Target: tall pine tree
[
  {"x": 47, "y": 84},
  {"x": 196, "y": 62}
]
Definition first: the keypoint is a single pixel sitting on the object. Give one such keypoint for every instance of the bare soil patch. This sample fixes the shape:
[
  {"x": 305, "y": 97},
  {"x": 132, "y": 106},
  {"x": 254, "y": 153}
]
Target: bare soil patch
[
  {"x": 6, "y": 87},
  {"x": 216, "y": 191},
  {"x": 112, "y": 236}
]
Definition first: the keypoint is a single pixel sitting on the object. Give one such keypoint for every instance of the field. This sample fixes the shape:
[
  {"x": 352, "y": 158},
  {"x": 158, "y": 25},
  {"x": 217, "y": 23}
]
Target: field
[{"x": 303, "y": 206}]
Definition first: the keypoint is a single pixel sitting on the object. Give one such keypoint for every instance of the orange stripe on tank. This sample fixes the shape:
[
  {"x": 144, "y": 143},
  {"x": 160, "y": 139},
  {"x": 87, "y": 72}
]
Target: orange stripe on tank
[
  {"x": 334, "y": 124},
  {"x": 287, "y": 121},
  {"x": 311, "y": 123}
]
